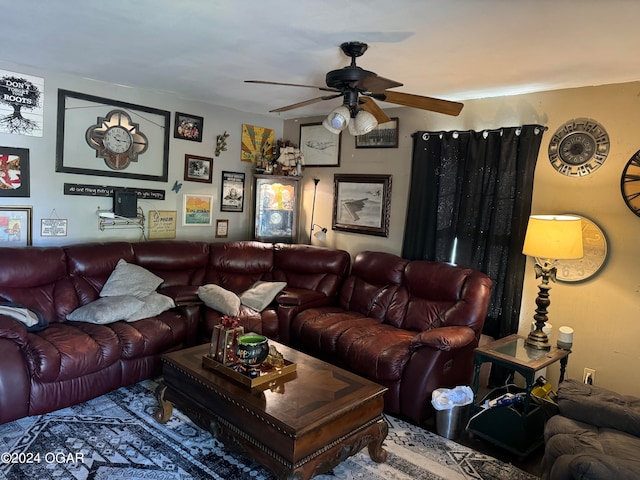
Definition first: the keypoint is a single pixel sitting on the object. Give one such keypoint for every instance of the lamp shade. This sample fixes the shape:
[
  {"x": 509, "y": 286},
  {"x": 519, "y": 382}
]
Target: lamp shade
[
  {"x": 363, "y": 123},
  {"x": 338, "y": 119},
  {"x": 553, "y": 237}
]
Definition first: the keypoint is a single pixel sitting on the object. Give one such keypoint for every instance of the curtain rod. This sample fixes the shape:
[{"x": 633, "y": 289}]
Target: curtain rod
[{"x": 485, "y": 131}]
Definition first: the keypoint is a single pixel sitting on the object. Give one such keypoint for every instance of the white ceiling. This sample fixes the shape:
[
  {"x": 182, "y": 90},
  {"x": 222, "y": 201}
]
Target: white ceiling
[{"x": 203, "y": 50}]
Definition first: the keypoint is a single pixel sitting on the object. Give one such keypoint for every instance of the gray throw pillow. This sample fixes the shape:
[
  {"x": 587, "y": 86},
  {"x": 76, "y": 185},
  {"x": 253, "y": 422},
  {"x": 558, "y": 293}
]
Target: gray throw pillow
[
  {"x": 107, "y": 310},
  {"x": 261, "y": 294},
  {"x": 216, "y": 297},
  {"x": 130, "y": 279},
  {"x": 154, "y": 304}
]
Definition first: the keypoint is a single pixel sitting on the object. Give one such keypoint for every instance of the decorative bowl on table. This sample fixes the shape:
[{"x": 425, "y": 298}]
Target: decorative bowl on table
[{"x": 252, "y": 349}]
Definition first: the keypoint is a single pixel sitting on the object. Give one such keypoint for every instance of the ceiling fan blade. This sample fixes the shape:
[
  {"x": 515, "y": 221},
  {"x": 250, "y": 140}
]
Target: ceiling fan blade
[
  {"x": 372, "y": 107},
  {"x": 305, "y": 103},
  {"x": 425, "y": 103},
  {"x": 375, "y": 83},
  {"x": 263, "y": 82}
]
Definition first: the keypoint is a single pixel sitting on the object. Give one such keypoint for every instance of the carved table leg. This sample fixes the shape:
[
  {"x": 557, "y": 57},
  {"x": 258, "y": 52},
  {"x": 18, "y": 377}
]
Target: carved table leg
[
  {"x": 163, "y": 413},
  {"x": 376, "y": 452}
]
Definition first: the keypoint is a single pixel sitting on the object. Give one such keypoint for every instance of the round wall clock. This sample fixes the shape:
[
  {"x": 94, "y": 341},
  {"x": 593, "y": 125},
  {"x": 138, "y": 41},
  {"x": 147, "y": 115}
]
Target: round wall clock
[
  {"x": 630, "y": 183},
  {"x": 579, "y": 147},
  {"x": 595, "y": 253},
  {"x": 117, "y": 139}
]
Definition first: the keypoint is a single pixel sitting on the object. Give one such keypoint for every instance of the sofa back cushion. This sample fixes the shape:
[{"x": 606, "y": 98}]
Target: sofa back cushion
[
  {"x": 89, "y": 266},
  {"x": 176, "y": 262},
  {"x": 236, "y": 266},
  {"x": 35, "y": 277},
  {"x": 441, "y": 294},
  {"x": 309, "y": 267},
  {"x": 372, "y": 287}
]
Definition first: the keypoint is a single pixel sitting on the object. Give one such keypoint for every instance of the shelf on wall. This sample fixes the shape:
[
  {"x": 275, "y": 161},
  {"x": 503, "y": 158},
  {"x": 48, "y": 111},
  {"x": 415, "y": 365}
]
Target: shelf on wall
[{"x": 108, "y": 220}]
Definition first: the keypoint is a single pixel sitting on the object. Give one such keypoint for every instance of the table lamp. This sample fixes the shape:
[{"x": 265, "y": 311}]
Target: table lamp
[{"x": 549, "y": 238}]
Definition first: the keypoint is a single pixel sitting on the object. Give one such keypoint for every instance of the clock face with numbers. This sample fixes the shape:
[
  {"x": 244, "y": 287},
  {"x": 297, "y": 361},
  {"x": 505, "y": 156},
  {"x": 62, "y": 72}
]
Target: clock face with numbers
[
  {"x": 630, "y": 183},
  {"x": 579, "y": 147},
  {"x": 117, "y": 139}
]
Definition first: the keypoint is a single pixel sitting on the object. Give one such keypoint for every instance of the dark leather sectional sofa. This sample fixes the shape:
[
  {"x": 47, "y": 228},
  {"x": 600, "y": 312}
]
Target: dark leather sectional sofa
[{"x": 411, "y": 326}]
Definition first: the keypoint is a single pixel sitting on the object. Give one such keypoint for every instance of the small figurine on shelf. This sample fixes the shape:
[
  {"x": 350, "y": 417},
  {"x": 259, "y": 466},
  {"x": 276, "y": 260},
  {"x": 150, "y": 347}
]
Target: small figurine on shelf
[{"x": 292, "y": 160}]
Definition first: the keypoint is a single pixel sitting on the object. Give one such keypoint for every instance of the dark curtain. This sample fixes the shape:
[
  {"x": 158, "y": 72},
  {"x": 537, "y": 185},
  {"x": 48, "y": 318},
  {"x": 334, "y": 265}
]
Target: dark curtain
[{"x": 475, "y": 188}]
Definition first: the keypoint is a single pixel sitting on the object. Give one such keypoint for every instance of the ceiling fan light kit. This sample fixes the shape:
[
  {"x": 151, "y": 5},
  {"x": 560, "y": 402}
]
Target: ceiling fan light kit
[{"x": 359, "y": 88}]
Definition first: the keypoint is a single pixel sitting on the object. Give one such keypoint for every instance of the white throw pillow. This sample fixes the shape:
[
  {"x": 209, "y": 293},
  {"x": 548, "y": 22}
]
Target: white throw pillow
[
  {"x": 216, "y": 297},
  {"x": 154, "y": 304},
  {"x": 107, "y": 310},
  {"x": 130, "y": 279},
  {"x": 261, "y": 294}
]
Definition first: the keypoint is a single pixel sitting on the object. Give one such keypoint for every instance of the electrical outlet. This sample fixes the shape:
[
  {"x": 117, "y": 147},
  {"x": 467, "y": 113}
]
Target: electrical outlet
[{"x": 589, "y": 376}]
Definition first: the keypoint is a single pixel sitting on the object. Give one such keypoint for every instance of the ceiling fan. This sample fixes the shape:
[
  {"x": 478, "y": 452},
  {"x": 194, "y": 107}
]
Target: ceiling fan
[{"x": 359, "y": 89}]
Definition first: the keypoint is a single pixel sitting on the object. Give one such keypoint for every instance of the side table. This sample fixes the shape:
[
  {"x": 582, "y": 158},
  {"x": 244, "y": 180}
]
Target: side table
[{"x": 518, "y": 428}]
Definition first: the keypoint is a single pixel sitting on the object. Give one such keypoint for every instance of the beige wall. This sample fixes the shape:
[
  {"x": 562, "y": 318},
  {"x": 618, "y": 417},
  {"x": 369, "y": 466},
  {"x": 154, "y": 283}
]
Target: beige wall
[{"x": 602, "y": 310}]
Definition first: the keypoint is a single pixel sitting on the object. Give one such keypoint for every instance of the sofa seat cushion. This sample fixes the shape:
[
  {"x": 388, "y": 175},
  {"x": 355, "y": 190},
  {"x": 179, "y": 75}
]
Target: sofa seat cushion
[
  {"x": 375, "y": 350},
  {"x": 318, "y": 329},
  {"x": 367, "y": 346},
  {"x": 150, "y": 336},
  {"x": 64, "y": 351}
]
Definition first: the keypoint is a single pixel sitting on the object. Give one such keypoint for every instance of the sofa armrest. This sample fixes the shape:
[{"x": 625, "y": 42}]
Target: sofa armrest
[
  {"x": 443, "y": 338},
  {"x": 299, "y": 297},
  {"x": 599, "y": 406},
  {"x": 12, "y": 329},
  {"x": 590, "y": 466},
  {"x": 181, "y": 294}
]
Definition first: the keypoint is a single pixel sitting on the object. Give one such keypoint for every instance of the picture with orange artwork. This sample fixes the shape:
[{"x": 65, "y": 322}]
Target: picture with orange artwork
[{"x": 197, "y": 210}]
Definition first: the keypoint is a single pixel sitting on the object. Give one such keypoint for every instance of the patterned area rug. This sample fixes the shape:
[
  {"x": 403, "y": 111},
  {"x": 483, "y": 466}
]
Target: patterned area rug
[{"x": 116, "y": 437}]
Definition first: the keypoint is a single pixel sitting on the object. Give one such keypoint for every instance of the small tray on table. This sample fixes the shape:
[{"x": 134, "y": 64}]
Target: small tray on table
[{"x": 268, "y": 373}]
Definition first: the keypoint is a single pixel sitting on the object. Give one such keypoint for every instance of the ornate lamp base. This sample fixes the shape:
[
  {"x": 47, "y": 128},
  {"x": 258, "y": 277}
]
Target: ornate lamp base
[{"x": 538, "y": 339}]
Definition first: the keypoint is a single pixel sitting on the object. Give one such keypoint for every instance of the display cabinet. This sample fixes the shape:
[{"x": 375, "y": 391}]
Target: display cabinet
[{"x": 276, "y": 208}]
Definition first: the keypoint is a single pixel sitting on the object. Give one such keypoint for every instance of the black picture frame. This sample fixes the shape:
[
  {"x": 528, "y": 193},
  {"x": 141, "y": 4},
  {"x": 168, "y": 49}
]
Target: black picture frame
[
  {"x": 78, "y": 111},
  {"x": 14, "y": 172},
  {"x": 232, "y": 192},
  {"x": 385, "y": 135},
  {"x": 16, "y": 226},
  {"x": 198, "y": 169},
  {"x": 362, "y": 203},
  {"x": 188, "y": 127},
  {"x": 320, "y": 147}
]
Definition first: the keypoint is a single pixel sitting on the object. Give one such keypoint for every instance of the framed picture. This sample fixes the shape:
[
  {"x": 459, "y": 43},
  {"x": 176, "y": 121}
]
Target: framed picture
[
  {"x": 188, "y": 127},
  {"x": 361, "y": 204},
  {"x": 162, "y": 224},
  {"x": 15, "y": 226},
  {"x": 198, "y": 169},
  {"x": 110, "y": 138},
  {"x": 385, "y": 135},
  {"x": 14, "y": 172},
  {"x": 53, "y": 227},
  {"x": 320, "y": 147},
  {"x": 257, "y": 143},
  {"x": 232, "y": 192},
  {"x": 197, "y": 210},
  {"x": 222, "y": 228}
]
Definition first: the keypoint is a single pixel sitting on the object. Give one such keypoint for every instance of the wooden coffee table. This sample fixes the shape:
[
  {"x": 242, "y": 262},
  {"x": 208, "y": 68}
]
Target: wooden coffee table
[{"x": 299, "y": 426}]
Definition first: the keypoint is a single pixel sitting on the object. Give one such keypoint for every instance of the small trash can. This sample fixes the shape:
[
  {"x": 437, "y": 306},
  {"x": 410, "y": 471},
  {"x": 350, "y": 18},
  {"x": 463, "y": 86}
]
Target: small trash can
[
  {"x": 452, "y": 408},
  {"x": 451, "y": 423}
]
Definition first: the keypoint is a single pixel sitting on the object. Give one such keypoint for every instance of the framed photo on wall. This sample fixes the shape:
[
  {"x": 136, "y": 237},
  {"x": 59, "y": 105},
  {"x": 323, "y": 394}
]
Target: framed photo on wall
[
  {"x": 188, "y": 127},
  {"x": 197, "y": 210},
  {"x": 320, "y": 147},
  {"x": 361, "y": 203},
  {"x": 198, "y": 169},
  {"x": 14, "y": 172},
  {"x": 385, "y": 135},
  {"x": 222, "y": 228},
  {"x": 15, "y": 226},
  {"x": 232, "y": 192}
]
